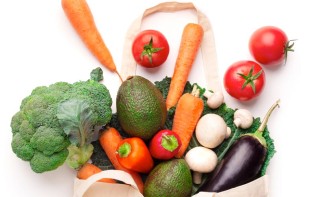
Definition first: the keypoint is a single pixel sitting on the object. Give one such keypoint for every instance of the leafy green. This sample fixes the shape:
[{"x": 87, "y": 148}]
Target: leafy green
[
  {"x": 76, "y": 119},
  {"x": 97, "y": 74}
]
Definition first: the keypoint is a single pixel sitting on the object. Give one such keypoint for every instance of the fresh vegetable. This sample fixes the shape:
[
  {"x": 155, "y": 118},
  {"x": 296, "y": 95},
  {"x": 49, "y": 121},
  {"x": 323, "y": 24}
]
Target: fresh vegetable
[
  {"x": 165, "y": 145},
  {"x": 201, "y": 160},
  {"x": 109, "y": 139},
  {"x": 169, "y": 178},
  {"x": 244, "y": 80},
  {"x": 187, "y": 114},
  {"x": 214, "y": 99},
  {"x": 82, "y": 20},
  {"x": 133, "y": 154},
  {"x": 224, "y": 111},
  {"x": 191, "y": 40},
  {"x": 141, "y": 109},
  {"x": 150, "y": 48},
  {"x": 270, "y": 46},
  {"x": 243, "y": 162},
  {"x": 243, "y": 118},
  {"x": 211, "y": 130},
  {"x": 39, "y": 137},
  {"x": 88, "y": 170}
]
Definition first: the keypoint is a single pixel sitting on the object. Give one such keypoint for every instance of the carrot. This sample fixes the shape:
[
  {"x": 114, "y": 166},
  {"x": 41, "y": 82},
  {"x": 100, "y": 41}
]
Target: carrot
[
  {"x": 187, "y": 114},
  {"x": 191, "y": 40},
  {"x": 81, "y": 18},
  {"x": 89, "y": 169},
  {"x": 109, "y": 140}
]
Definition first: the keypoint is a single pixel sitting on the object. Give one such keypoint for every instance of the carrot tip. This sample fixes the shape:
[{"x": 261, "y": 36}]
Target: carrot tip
[{"x": 119, "y": 75}]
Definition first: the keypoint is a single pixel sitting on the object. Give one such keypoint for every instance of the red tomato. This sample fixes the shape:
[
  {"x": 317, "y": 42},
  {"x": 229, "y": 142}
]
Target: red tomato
[
  {"x": 244, "y": 80},
  {"x": 269, "y": 46},
  {"x": 150, "y": 48}
]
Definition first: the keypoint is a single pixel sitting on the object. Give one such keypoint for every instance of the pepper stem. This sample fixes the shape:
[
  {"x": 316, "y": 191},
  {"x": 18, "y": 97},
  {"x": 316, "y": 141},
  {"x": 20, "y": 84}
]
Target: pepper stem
[
  {"x": 169, "y": 142},
  {"x": 124, "y": 150}
]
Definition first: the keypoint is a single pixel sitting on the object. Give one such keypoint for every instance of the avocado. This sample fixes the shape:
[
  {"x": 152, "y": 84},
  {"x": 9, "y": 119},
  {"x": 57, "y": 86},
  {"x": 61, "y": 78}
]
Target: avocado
[
  {"x": 141, "y": 108},
  {"x": 171, "y": 178}
]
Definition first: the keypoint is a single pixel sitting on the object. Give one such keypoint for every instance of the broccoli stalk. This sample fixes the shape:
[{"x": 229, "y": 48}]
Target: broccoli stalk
[{"x": 77, "y": 120}]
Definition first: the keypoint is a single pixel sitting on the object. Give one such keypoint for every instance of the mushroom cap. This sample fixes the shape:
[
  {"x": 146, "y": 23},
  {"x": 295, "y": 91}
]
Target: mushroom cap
[
  {"x": 215, "y": 100},
  {"x": 201, "y": 159},
  {"x": 243, "y": 118},
  {"x": 211, "y": 130}
]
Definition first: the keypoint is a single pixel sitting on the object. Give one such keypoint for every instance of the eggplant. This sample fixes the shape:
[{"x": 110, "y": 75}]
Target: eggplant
[{"x": 242, "y": 162}]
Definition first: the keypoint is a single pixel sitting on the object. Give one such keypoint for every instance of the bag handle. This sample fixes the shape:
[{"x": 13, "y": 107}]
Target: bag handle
[
  {"x": 82, "y": 186},
  {"x": 209, "y": 55}
]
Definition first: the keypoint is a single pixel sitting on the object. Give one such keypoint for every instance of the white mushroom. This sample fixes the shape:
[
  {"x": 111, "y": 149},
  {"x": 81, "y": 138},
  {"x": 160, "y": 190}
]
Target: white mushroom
[
  {"x": 243, "y": 118},
  {"x": 201, "y": 160},
  {"x": 211, "y": 130},
  {"x": 214, "y": 99}
]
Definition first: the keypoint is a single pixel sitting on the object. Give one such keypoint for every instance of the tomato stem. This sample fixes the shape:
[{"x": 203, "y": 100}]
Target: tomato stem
[
  {"x": 148, "y": 50},
  {"x": 250, "y": 78},
  {"x": 288, "y": 48}
]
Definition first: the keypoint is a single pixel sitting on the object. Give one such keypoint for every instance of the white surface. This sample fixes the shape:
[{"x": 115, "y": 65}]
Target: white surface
[{"x": 39, "y": 47}]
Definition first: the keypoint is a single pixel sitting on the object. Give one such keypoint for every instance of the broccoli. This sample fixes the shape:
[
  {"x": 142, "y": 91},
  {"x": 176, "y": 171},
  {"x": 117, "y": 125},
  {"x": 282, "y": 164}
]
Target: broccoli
[{"x": 38, "y": 134}]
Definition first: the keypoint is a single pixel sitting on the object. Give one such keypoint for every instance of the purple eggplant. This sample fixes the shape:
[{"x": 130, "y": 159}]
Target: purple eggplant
[{"x": 242, "y": 162}]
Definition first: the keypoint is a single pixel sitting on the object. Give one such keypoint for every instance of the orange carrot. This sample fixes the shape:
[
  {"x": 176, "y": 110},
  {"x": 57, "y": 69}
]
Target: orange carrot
[
  {"x": 187, "y": 114},
  {"x": 88, "y": 170},
  {"x": 190, "y": 43},
  {"x": 109, "y": 140},
  {"x": 81, "y": 18}
]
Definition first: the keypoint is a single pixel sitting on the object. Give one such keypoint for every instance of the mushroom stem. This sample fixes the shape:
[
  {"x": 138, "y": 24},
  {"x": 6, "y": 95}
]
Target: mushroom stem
[{"x": 197, "y": 177}]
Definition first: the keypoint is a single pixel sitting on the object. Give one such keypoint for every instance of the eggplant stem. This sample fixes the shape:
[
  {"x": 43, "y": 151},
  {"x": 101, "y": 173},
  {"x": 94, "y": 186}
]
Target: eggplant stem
[{"x": 261, "y": 128}]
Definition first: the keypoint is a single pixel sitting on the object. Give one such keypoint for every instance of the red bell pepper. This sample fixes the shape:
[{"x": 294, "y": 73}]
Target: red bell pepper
[
  {"x": 133, "y": 154},
  {"x": 165, "y": 145}
]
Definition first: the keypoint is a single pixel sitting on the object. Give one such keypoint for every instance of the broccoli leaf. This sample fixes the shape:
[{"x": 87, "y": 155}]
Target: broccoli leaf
[
  {"x": 97, "y": 74},
  {"x": 75, "y": 117}
]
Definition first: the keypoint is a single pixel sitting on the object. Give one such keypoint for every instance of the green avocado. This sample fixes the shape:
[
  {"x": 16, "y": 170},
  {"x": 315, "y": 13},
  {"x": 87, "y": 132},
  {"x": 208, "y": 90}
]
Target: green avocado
[
  {"x": 141, "y": 108},
  {"x": 171, "y": 178}
]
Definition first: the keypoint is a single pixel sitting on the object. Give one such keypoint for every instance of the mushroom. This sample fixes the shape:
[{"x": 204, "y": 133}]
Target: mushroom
[
  {"x": 214, "y": 99},
  {"x": 201, "y": 160},
  {"x": 243, "y": 118},
  {"x": 211, "y": 130}
]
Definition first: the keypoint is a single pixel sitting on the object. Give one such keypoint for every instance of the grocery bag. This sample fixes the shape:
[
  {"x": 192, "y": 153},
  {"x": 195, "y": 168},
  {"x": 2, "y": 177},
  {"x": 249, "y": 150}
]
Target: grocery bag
[
  {"x": 127, "y": 188},
  {"x": 91, "y": 188}
]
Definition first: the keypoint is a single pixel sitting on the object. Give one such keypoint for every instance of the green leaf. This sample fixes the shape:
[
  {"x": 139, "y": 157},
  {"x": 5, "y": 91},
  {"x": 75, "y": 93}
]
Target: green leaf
[
  {"x": 75, "y": 117},
  {"x": 97, "y": 74}
]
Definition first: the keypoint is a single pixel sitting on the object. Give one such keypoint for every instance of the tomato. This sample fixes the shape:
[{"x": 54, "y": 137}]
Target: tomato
[
  {"x": 244, "y": 80},
  {"x": 150, "y": 48},
  {"x": 269, "y": 46}
]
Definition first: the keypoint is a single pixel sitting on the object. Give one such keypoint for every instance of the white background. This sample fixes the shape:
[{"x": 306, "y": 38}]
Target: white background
[{"x": 39, "y": 47}]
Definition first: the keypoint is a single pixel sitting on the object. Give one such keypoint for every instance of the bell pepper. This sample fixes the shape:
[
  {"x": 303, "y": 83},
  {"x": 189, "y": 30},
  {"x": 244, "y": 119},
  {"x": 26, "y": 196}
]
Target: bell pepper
[{"x": 133, "y": 154}]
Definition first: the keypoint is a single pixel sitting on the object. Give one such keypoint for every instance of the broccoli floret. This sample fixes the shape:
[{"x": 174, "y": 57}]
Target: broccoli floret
[
  {"x": 98, "y": 96},
  {"x": 38, "y": 136},
  {"x": 49, "y": 140},
  {"x": 41, "y": 162},
  {"x": 22, "y": 148}
]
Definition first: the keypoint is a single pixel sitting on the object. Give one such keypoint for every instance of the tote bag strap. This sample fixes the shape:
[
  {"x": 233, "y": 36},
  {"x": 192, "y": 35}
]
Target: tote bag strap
[
  {"x": 81, "y": 186},
  {"x": 208, "y": 49}
]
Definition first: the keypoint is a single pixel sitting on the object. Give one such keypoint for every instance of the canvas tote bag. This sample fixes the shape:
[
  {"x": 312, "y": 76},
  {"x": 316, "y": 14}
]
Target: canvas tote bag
[{"x": 92, "y": 188}]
